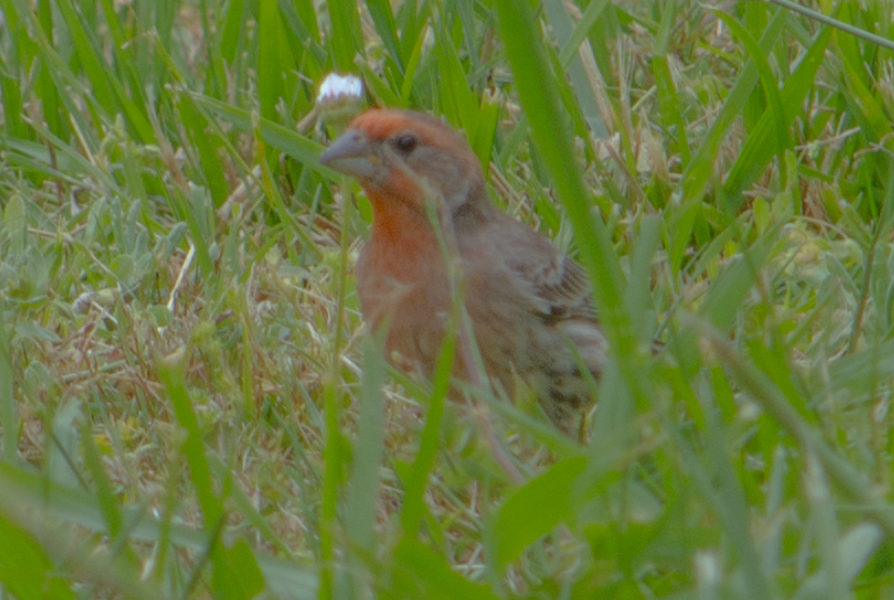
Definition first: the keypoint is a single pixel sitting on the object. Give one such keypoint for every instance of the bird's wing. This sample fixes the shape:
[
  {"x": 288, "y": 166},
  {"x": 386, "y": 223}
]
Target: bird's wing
[
  {"x": 557, "y": 285},
  {"x": 561, "y": 283}
]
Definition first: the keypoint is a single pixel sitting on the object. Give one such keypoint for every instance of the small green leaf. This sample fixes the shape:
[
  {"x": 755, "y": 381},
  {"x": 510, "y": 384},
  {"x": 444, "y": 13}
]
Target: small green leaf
[
  {"x": 417, "y": 572},
  {"x": 533, "y": 511},
  {"x": 25, "y": 570},
  {"x": 244, "y": 571}
]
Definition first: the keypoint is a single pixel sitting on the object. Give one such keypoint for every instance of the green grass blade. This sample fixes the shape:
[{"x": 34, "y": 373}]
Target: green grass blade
[
  {"x": 570, "y": 38},
  {"x": 667, "y": 93},
  {"x": 231, "y": 32},
  {"x": 105, "y": 496},
  {"x": 171, "y": 371},
  {"x": 25, "y": 570},
  {"x": 346, "y": 35},
  {"x": 534, "y": 511},
  {"x": 383, "y": 18},
  {"x": 107, "y": 89},
  {"x": 294, "y": 144},
  {"x": 784, "y": 108},
  {"x": 420, "y": 573},
  {"x": 414, "y": 486},
  {"x": 8, "y": 413},
  {"x": 369, "y": 450},
  {"x": 700, "y": 171},
  {"x": 274, "y": 58},
  {"x": 552, "y": 136},
  {"x": 733, "y": 284}
]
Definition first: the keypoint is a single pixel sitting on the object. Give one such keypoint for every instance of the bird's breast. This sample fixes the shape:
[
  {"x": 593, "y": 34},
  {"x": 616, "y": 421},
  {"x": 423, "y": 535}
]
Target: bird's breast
[{"x": 403, "y": 287}]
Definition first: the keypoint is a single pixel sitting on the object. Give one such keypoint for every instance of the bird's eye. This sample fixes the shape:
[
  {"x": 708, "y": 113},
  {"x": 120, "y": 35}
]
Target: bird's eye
[{"x": 406, "y": 143}]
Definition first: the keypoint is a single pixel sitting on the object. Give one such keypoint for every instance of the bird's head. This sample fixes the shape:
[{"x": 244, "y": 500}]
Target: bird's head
[{"x": 408, "y": 157}]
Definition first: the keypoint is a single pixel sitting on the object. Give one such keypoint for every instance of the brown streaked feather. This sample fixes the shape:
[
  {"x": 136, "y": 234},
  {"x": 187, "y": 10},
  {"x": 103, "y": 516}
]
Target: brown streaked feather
[
  {"x": 564, "y": 285},
  {"x": 556, "y": 284}
]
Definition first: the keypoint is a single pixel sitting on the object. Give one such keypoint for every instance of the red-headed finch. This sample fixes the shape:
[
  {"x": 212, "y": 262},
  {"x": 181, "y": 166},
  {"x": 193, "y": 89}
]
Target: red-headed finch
[{"x": 529, "y": 305}]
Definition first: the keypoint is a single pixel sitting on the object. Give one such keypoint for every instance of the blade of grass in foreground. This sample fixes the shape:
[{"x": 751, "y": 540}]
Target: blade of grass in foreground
[
  {"x": 414, "y": 487},
  {"x": 41, "y": 553},
  {"x": 21, "y": 553},
  {"x": 8, "y": 413},
  {"x": 364, "y": 483},
  {"x": 533, "y": 511},
  {"x": 105, "y": 497},
  {"x": 761, "y": 389},
  {"x": 171, "y": 372},
  {"x": 420, "y": 573},
  {"x": 20, "y": 486},
  {"x": 364, "y": 487},
  {"x": 334, "y": 452},
  {"x": 537, "y": 90},
  {"x": 333, "y": 457}
]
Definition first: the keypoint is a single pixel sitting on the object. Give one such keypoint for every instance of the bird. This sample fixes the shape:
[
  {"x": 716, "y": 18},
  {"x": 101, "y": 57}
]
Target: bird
[{"x": 434, "y": 231}]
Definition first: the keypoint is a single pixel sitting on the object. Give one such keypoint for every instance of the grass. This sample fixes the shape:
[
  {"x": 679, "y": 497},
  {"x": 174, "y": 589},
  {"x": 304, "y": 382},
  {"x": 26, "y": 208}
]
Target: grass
[{"x": 189, "y": 405}]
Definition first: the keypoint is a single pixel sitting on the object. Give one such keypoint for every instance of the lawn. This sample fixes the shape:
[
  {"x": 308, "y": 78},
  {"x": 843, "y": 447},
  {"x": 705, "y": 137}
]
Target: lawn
[{"x": 191, "y": 406}]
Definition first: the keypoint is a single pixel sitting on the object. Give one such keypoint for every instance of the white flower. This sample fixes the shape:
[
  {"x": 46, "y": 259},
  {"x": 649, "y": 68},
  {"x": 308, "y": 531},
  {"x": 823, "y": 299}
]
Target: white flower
[{"x": 336, "y": 89}]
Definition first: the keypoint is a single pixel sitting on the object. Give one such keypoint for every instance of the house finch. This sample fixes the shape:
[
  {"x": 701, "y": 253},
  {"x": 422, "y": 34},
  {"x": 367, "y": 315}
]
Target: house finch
[{"x": 530, "y": 306}]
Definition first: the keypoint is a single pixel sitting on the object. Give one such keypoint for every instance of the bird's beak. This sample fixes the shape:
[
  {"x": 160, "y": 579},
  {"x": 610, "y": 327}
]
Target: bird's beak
[{"x": 352, "y": 155}]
